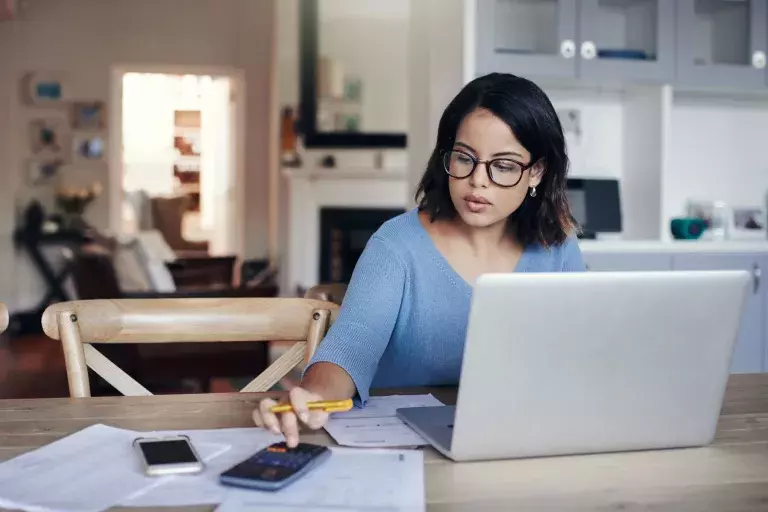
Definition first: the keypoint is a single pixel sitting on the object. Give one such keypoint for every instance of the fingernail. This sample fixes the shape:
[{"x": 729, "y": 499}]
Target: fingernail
[{"x": 304, "y": 416}]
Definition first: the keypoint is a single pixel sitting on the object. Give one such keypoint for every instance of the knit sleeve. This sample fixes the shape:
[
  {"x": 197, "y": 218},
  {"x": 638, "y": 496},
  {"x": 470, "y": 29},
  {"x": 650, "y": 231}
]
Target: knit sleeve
[
  {"x": 572, "y": 260},
  {"x": 357, "y": 339}
]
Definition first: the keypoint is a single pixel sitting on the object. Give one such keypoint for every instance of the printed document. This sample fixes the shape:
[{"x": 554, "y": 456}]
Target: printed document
[
  {"x": 97, "y": 468},
  {"x": 376, "y": 425},
  {"x": 350, "y": 480},
  {"x": 90, "y": 470}
]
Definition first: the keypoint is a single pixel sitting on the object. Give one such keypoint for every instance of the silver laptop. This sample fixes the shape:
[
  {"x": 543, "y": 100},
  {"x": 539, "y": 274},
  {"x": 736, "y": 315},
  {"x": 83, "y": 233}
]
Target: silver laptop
[{"x": 589, "y": 362}]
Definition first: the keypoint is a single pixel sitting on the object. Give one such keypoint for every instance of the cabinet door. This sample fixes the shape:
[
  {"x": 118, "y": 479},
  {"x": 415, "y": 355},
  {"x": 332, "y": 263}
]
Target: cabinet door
[
  {"x": 621, "y": 262},
  {"x": 526, "y": 37},
  {"x": 750, "y": 347},
  {"x": 631, "y": 40},
  {"x": 722, "y": 43}
]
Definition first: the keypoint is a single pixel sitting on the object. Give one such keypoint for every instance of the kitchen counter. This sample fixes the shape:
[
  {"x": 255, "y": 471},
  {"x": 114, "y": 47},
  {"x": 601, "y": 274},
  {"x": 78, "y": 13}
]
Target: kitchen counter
[{"x": 676, "y": 246}]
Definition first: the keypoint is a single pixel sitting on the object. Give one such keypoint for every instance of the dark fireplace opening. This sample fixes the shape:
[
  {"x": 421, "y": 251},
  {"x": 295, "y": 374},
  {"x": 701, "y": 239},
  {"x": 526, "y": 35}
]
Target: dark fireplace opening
[{"x": 343, "y": 235}]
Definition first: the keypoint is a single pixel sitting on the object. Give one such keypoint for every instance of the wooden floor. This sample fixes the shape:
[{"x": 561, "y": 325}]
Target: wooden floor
[{"x": 33, "y": 367}]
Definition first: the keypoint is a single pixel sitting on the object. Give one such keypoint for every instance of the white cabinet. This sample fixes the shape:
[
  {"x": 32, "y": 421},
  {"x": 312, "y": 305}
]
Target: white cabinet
[
  {"x": 750, "y": 353},
  {"x": 616, "y": 262}
]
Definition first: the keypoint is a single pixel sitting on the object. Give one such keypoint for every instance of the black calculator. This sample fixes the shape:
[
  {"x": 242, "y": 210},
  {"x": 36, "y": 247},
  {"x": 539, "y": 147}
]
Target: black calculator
[{"x": 275, "y": 466}]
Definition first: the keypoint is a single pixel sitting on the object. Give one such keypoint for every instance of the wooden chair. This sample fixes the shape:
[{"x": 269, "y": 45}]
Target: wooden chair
[
  {"x": 80, "y": 324},
  {"x": 3, "y": 317},
  {"x": 332, "y": 292}
]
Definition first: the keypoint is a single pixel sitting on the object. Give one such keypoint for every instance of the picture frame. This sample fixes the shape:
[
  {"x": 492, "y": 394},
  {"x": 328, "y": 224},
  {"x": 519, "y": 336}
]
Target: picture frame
[
  {"x": 311, "y": 82},
  {"x": 48, "y": 137},
  {"x": 45, "y": 88},
  {"x": 89, "y": 115},
  {"x": 749, "y": 223},
  {"x": 89, "y": 147},
  {"x": 43, "y": 170}
]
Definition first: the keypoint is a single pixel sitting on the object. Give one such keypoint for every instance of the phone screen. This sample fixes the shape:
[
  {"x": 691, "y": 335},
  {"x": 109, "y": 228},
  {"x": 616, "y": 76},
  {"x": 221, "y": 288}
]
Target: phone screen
[{"x": 167, "y": 452}]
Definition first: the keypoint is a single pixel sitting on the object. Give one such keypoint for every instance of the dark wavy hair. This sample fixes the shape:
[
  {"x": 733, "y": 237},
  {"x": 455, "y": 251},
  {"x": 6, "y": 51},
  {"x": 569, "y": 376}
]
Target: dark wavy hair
[{"x": 524, "y": 107}]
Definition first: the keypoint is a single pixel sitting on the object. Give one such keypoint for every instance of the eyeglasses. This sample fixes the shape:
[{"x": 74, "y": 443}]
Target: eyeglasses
[{"x": 501, "y": 171}]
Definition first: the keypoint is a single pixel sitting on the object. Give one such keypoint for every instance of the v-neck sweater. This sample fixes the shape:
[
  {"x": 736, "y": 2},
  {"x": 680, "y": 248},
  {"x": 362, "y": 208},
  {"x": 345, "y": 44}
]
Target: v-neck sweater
[{"x": 404, "y": 316}]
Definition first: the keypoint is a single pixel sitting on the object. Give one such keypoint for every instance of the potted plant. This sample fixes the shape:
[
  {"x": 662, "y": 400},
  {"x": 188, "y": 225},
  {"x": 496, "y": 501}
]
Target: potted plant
[{"x": 72, "y": 203}]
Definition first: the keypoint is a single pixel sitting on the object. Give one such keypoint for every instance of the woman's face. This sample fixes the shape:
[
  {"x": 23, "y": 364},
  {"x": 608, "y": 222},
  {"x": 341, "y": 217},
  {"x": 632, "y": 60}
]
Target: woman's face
[{"x": 480, "y": 201}]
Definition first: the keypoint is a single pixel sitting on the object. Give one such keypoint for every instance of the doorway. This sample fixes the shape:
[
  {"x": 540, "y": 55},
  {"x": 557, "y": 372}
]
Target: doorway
[{"x": 178, "y": 140}]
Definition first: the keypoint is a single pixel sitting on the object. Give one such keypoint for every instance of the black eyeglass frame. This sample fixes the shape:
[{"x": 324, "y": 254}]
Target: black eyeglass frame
[{"x": 488, "y": 163}]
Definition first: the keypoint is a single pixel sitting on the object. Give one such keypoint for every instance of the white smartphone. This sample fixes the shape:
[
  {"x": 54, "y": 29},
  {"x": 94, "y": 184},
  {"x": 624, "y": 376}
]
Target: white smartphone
[{"x": 168, "y": 455}]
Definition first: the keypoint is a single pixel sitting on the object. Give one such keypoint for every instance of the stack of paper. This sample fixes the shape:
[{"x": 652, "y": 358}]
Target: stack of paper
[
  {"x": 369, "y": 480},
  {"x": 97, "y": 468},
  {"x": 91, "y": 470},
  {"x": 377, "y": 424}
]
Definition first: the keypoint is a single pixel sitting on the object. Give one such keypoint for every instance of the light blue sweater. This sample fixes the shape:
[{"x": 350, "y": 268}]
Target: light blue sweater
[{"x": 404, "y": 316}]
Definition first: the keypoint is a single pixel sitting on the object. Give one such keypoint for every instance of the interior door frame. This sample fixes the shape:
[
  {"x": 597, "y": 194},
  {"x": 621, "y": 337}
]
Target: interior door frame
[{"x": 115, "y": 137}]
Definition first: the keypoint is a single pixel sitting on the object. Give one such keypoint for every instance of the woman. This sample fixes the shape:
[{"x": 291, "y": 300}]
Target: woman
[{"x": 492, "y": 199}]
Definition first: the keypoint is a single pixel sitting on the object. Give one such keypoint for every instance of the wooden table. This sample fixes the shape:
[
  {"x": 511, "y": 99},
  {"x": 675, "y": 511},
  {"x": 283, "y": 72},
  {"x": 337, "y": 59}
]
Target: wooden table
[{"x": 732, "y": 474}]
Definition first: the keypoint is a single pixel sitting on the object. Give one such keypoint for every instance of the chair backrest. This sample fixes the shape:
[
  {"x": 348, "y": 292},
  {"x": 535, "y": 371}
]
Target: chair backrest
[
  {"x": 79, "y": 324},
  {"x": 332, "y": 292},
  {"x": 3, "y": 317}
]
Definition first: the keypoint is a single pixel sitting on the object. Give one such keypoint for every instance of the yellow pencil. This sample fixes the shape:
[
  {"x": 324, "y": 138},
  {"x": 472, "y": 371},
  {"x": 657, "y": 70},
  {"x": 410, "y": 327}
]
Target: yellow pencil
[{"x": 327, "y": 406}]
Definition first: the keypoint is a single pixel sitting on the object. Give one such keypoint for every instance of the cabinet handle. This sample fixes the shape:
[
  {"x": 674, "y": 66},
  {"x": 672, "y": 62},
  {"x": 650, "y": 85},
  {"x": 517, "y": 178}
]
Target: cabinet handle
[
  {"x": 758, "y": 60},
  {"x": 568, "y": 49},
  {"x": 588, "y": 50},
  {"x": 757, "y": 274}
]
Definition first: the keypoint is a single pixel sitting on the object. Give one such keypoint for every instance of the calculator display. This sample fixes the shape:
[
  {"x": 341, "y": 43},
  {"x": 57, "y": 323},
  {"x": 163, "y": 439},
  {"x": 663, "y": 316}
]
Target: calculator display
[{"x": 276, "y": 463}]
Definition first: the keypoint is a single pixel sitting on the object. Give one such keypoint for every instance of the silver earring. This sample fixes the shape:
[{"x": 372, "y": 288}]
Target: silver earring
[{"x": 533, "y": 191}]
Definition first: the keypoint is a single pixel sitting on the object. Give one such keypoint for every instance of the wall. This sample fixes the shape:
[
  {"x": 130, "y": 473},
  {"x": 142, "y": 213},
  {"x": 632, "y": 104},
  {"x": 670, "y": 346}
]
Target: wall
[
  {"x": 87, "y": 38},
  {"x": 718, "y": 152},
  {"x": 370, "y": 40},
  {"x": 597, "y": 150},
  {"x": 288, "y": 13},
  {"x": 437, "y": 69}
]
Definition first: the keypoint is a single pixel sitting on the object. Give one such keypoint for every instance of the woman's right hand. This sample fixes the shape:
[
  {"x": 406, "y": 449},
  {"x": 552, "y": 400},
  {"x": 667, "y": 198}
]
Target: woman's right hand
[{"x": 287, "y": 423}]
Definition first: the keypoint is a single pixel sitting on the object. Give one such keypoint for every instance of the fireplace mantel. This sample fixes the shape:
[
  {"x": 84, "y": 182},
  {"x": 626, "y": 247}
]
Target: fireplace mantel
[
  {"x": 309, "y": 190},
  {"x": 346, "y": 173}
]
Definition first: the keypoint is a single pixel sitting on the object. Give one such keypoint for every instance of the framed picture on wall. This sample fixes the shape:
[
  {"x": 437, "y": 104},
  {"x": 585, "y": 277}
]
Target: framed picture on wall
[
  {"x": 88, "y": 115},
  {"x": 43, "y": 170},
  {"x": 45, "y": 88},
  {"x": 48, "y": 137},
  {"x": 89, "y": 148}
]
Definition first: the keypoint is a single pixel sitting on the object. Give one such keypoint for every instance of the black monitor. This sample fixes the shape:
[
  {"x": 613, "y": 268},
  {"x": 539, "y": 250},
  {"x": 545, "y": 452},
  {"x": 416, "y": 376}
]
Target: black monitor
[{"x": 596, "y": 205}]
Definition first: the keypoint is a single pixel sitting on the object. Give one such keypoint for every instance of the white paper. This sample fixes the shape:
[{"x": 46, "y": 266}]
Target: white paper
[
  {"x": 382, "y": 406},
  {"x": 204, "y": 489},
  {"x": 377, "y": 425},
  {"x": 90, "y": 470},
  {"x": 350, "y": 480}
]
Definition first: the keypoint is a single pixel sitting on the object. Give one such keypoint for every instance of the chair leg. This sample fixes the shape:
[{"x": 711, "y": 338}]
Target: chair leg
[{"x": 74, "y": 356}]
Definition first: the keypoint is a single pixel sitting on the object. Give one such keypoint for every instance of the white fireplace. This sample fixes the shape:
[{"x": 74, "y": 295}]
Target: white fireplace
[{"x": 310, "y": 190}]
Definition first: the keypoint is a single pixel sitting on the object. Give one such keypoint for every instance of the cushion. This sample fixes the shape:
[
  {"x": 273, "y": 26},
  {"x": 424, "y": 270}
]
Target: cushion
[
  {"x": 154, "y": 247},
  {"x": 132, "y": 276},
  {"x": 160, "y": 277},
  {"x": 142, "y": 208}
]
